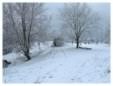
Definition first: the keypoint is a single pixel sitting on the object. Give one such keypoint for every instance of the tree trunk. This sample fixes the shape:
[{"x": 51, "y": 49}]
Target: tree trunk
[
  {"x": 26, "y": 53},
  {"x": 77, "y": 43}
]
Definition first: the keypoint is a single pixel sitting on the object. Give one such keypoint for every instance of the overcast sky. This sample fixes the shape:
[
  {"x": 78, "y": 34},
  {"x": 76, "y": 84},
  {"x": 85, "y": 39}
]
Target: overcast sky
[{"x": 103, "y": 9}]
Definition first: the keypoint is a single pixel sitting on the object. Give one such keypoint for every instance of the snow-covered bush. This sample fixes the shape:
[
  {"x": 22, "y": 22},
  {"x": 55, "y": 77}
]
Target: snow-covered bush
[{"x": 58, "y": 42}]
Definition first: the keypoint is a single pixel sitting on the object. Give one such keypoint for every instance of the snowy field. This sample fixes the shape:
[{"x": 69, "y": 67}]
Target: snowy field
[{"x": 60, "y": 65}]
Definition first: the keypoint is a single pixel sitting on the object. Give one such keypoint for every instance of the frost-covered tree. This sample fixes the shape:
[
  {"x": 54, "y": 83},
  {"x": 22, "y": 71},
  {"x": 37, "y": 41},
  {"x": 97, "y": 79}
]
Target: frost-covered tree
[
  {"x": 79, "y": 18},
  {"x": 23, "y": 19}
]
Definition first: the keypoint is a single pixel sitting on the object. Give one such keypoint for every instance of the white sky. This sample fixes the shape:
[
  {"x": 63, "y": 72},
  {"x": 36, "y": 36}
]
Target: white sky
[{"x": 103, "y": 9}]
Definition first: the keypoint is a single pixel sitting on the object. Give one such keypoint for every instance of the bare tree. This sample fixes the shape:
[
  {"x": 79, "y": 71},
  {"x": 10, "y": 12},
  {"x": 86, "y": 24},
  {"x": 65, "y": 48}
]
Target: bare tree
[
  {"x": 79, "y": 18},
  {"x": 23, "y": 17}
]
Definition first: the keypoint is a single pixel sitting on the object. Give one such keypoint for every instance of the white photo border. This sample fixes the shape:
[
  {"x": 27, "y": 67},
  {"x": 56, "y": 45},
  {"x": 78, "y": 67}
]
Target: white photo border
[{"x": 53, "y": 1}]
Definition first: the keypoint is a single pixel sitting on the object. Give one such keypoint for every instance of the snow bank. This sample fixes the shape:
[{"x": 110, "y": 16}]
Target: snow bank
[{"x": 63, "y": 65}]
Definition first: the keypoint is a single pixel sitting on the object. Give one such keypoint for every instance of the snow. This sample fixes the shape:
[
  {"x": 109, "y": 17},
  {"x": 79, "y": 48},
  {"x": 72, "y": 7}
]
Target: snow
[{"x": 61, "y": 65}]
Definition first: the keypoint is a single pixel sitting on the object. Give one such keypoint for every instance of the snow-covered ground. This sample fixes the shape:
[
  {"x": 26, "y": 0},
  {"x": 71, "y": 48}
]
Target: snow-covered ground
[{"x": 61, "y": 65}]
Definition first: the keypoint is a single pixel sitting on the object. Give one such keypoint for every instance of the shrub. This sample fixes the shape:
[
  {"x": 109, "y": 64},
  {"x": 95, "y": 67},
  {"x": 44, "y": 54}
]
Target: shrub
[{"x": 58, "y": 42}]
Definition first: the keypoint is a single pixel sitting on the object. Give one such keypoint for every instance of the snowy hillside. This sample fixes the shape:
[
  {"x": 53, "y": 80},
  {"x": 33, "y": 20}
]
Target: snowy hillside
[{"x": 60, "y": 65}]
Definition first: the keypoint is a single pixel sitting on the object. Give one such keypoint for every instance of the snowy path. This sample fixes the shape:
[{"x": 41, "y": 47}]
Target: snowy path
[{"x": 63, "y": 65}]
